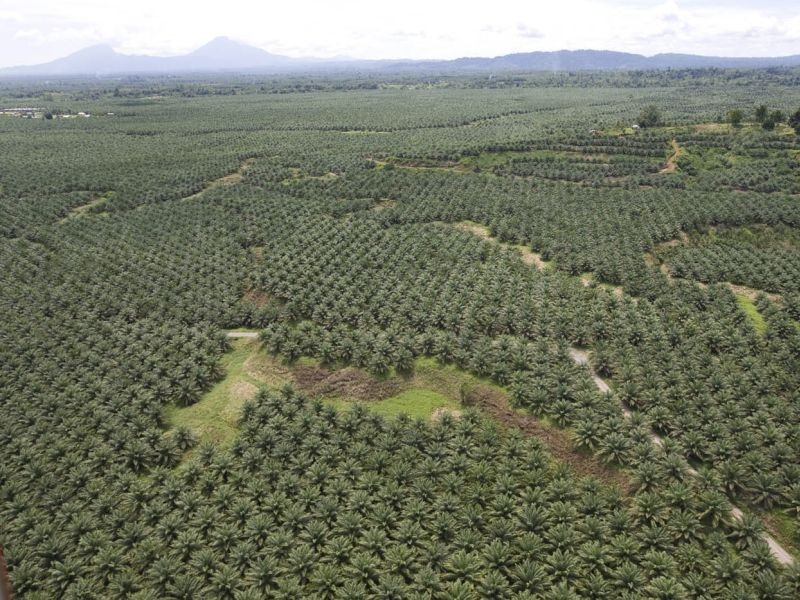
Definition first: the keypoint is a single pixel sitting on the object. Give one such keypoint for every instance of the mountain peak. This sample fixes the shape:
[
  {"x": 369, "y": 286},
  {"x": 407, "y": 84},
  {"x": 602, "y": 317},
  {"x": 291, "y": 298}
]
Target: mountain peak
[
  {"x": 225, "y": 44},
  {"x": 96, "y": 50},
  {"x": 221, "y": 41}
]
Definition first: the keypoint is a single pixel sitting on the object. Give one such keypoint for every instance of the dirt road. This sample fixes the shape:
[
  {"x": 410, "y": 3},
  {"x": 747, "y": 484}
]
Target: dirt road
[{"x": 780, "y": 554}]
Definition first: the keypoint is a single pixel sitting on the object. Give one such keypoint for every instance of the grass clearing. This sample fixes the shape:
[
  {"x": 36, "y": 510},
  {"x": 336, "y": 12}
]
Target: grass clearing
[
  {"x": 489, "y": 160},
  {"x": 431, "y": 386},
  {"x": 429, "y": 392},
  {"x": 749, "y": 308},
  {"x": 418, "y": 403},
  {"x": 447, "y": 380},
  {"x": 214, "y": 417}
]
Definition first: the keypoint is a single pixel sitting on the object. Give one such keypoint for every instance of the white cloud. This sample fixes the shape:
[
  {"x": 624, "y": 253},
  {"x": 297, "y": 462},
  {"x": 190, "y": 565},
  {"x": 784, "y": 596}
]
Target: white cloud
[
  {"x": 528, "y": 32},
  {"x": 39, "y": 30}
]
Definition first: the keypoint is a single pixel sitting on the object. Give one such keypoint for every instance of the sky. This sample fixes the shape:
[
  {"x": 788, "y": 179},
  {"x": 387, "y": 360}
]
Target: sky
[{"x": 35, "y": 31}]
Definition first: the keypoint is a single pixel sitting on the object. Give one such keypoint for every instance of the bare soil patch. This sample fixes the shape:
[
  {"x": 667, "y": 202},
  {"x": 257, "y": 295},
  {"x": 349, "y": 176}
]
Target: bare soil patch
[
  {"x": 683, "y": 239},
  {"x": 384, "y": 204},
  {"x": 581, "y": 357},
  {"x": 84, "y": 209},
  {"x": 347, "y": 382},
  {"x": 480, "y": 230},
  {"x": 268, "y": 370},
  {"x": 318, "y": 381},
  {"x": 255, "y": 297},
  {"x": 752, "y": 293},
  {"x": 531, "y": 258},
  {"x": 440, "y": 413}
]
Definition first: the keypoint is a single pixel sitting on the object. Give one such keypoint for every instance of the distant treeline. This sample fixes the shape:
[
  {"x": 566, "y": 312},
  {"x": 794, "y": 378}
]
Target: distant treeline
[{"x": 137, "y": 86}]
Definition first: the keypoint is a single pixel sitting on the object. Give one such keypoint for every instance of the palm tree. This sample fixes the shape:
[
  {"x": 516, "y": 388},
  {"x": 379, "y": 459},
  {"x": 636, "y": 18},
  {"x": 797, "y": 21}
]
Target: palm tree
[
  {"x": 587, "y": 434},
  {"x": 352, "y": 590},
  {"x": 713, "y": 507},
  {"x": 458, "y": 590},
  {"x": 650, "y": 508},
  {"x": 629, "y": 576},
  {"x": 647, "y": 475},
  {"x": 665, "y": 588},
  {"x": 325, "y": 580},
  {"x": 764, "y": 486},
  {"x": 185, "y": 586},
  {"x": 614, "y": 448},
  {"x": 746, "y": 530},
  {"x": 65, "y": 573},
  {"x": 225, "y": 582},
  {"x": 364, "y": 567},
  {"x": 494, "y": 585},
  {"x": 463, "y": 566},
  {"x": 563, "y": 566}
]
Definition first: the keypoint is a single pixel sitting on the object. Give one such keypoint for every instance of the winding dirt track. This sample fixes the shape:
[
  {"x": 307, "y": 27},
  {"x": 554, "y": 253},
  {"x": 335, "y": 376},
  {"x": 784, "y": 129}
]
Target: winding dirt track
[
  {"x": 225, "y": 180},
  {"x": 778, "y": 552},
  {"x": 498, "y": 407},
  {"x": 582, "y": 357},
  {"x": 672, "y": 161}
]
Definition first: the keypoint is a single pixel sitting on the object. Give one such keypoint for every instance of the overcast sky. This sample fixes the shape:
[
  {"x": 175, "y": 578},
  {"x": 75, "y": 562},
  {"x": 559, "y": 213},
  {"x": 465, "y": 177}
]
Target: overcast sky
[{"x": 33, "y": 31}]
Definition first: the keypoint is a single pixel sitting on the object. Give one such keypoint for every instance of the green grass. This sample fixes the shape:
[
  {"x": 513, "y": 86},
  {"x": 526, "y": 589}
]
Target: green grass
[
  {"x": 619, "y": 130},
  {"x": 784, "y": 528},
  {"x": 446, "y": 379},
  {"x": 415, "y": 402},
  {"x": 429, "y": 387},
  {"x": 752, "y": 313},
  {"x": 214, "y": 417}
]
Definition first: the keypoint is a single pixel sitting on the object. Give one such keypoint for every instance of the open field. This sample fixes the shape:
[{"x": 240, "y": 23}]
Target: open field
[{"x": 417, "y": 339}]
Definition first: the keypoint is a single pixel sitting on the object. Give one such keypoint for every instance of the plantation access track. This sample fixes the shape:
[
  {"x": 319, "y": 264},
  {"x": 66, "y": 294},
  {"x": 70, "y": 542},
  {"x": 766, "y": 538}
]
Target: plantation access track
[{"x": 582, "y": 357}]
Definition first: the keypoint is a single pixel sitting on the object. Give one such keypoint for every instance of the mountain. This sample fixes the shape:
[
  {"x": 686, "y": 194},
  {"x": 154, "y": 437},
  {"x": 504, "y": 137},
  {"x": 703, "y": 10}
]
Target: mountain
[
  {"x": 561, "y": 60},
  {"x": 223, "y": 54},
  {"x": 596, "y": 60},
  {"x": 220, "y": 54}
]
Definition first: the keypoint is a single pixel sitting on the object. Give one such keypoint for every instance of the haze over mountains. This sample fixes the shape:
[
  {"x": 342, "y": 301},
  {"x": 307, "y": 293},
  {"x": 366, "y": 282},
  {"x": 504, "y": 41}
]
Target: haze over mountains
[{"x": 223, "y": 54}]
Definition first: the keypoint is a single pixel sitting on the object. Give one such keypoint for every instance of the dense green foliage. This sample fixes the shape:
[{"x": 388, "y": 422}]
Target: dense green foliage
[
  {"x": 322, "y": 213},
  {"x": 759, "y": 257},
  {"x": 649, "y": 117}
]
